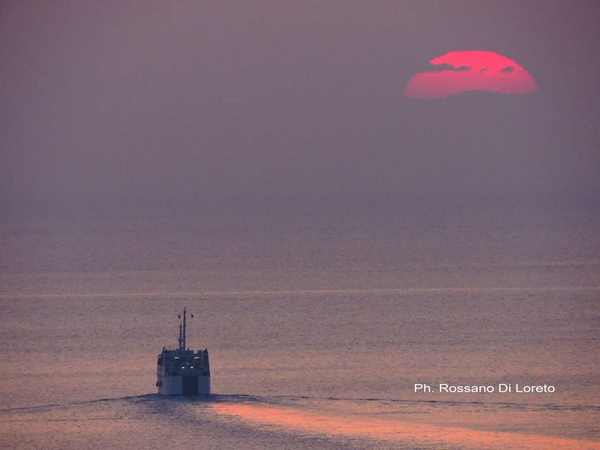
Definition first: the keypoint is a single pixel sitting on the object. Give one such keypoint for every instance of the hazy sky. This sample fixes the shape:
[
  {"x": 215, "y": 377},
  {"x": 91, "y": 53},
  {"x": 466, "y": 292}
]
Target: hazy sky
[{"x": 141, "y": 100}]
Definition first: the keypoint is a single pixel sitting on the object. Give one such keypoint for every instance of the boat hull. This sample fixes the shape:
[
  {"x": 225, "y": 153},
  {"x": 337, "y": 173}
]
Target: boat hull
[{"x": 186, "y": 385}]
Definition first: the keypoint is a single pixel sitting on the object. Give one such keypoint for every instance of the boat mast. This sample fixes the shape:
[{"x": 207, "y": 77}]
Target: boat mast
[
  {"x": 184, "y": 334},
  {"x": 182, "y": 340},
  {"x": 179, "y": 338}
]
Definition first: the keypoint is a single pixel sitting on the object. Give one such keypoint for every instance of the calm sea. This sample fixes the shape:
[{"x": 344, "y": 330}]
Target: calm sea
[{"x": 319, "y": 323}]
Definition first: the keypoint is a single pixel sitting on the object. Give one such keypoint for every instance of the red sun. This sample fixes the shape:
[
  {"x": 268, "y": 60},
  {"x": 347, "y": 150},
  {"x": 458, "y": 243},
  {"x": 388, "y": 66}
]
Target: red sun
[{"x": 470, "y": 70}]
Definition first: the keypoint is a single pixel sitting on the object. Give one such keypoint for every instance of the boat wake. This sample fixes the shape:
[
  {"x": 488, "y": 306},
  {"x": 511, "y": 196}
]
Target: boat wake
[
  {"x": 397, "y": 423},
  {"x": 290, "y": 399}
]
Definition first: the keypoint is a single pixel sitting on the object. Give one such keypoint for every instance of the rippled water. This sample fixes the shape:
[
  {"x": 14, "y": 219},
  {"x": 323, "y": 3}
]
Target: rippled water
[{"x": 318, "y": 332}]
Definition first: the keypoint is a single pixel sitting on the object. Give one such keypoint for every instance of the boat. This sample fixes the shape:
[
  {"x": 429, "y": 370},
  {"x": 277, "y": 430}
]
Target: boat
[{"x": 183, "y": 371}]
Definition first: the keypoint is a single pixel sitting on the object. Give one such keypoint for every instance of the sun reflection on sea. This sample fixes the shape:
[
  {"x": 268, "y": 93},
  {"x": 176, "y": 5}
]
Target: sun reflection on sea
[{"x": 436, "y": 436}]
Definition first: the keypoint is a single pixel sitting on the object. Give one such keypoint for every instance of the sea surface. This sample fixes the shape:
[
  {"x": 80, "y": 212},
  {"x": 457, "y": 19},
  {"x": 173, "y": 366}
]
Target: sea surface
[{"x": 319, "y": 322}]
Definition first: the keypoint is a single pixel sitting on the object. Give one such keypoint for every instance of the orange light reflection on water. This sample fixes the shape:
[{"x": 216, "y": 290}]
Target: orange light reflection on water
[{"x": 392, "y": 430}]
